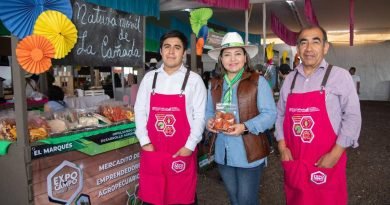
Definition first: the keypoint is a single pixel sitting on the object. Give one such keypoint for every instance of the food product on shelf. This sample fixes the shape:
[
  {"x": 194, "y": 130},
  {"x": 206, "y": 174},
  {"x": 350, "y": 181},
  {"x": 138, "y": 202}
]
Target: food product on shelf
[
  {"x": 38, "y": 134},
  {"x": 103, "y": 119},
  {"x": 75, "y": 120},
  {"x": 115, "y": 114},
  {"x": 70, "y": 117},
  {"x": 13, "y": 133},
  {"x": 42, "y": 126},
  {"x": 57, "y": 125},
  {"x": 37, "y": 122},
  {"x": 8, "y": 129},
  {"x": 130, "y": 115},
  {"x": 116, "y": 111},
  {"x": 88, "y": 121},
  {"x": 38, "y": 127}
]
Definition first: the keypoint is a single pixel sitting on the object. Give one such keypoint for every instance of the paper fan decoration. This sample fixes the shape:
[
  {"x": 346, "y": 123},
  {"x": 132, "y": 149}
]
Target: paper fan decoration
[
  {"x": 34, "y": 54},
  {"x": 199, "y": 46},
  {"x": 60, "y": 31},
  {"x": 199, "y": 17},
  {"x": 203, "y": 32},
  {"x": 19, "y": 16},
  {"x": 270, "y": 51}
]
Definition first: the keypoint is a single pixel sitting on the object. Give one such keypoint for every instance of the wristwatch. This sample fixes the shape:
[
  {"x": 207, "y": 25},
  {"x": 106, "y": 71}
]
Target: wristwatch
[{"x": 246, "y": 131}]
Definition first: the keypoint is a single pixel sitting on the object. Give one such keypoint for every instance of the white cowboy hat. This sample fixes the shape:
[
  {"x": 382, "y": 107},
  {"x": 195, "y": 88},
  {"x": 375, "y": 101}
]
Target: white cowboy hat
[
  {"x": 231, "y": 40},
  {"x": 153, "y": 60}
]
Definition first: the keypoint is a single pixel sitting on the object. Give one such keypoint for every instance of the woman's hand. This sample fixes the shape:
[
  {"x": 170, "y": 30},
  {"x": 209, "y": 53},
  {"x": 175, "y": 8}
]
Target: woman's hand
[
  {"x": 236, "y": 129},
  {"x": 210, "y": 125}
]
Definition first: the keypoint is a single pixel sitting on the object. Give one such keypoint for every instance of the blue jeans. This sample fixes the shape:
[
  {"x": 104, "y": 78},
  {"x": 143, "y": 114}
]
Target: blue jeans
[{"x": 242, "y": 184}]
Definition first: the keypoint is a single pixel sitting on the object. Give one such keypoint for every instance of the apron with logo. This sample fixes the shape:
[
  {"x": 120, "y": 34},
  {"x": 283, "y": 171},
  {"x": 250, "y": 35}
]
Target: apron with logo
[
  {"x": 164, "y": 179},
  {"x": 309, "y": 135}
]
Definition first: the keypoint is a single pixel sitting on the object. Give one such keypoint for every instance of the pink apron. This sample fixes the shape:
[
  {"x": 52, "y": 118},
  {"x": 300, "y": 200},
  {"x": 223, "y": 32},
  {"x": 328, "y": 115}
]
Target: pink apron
[
  {"x": 309, "y": 135},
  {"x": 164, "y": 179}
]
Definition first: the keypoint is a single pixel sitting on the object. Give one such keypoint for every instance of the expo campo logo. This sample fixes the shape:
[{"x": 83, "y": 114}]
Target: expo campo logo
[
  {"x": 165, "y": 124},
  {"x": 64, "y": 183},
  {"x": 302, "y": 127}
]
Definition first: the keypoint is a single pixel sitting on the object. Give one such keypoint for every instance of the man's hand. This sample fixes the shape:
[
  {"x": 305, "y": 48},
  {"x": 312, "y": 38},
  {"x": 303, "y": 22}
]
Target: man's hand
[
  {"x": 331, "y": 158},
  {"x": 285, "y": 153},
  {"x": 210, "y": 125},
  {"x": 148, "y": 147},
  {"x": 184, "y": 152}
]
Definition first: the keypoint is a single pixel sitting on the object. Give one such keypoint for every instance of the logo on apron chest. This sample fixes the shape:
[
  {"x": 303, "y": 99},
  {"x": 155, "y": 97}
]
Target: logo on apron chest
[
  {"x": 302, "y": 128},
  {"x": 318, "y": 177},
  {"x": 178, "y": 166},
  {"x": 165, "y": 124}
]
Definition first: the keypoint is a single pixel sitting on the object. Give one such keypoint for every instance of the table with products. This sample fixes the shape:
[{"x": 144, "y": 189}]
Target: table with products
[{"x": 93, "y": 157}]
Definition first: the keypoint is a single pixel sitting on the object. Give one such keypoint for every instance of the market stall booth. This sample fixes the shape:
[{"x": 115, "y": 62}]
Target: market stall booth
[{"x": 74, "y": 156}]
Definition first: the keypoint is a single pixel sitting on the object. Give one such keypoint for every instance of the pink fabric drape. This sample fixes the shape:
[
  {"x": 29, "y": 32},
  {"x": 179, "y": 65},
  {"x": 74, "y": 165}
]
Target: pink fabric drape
[
  {"x": 309, "y": 13},
  {"x": 288, "y": 36},
  {"x": 229, "y": 4},
  {"x": 351, "y": 21}
]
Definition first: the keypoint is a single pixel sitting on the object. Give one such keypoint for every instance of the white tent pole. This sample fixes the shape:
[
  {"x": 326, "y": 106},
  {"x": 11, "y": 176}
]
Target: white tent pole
[
  {"x": 246, "y": 26},
  {"x": 264, "y": 31}
]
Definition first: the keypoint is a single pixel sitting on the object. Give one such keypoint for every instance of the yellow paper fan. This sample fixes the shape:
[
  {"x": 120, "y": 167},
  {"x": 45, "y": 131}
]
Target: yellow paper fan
[
  {"x": 60, "y": 31},
  {"x": 34, "y": 54},
  {"x": 270, "y": 51}
]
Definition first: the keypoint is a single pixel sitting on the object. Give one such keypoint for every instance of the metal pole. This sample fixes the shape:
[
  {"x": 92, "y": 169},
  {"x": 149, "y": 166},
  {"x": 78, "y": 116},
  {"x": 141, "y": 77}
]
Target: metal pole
[
  {"x": 141, "y": 71},
  {"x": 193, "y": 65},
  {"x": 16, "y": 171},
  {"x": 20, "y": 102},
  {"x": 264, "y": 31},
  {"x": 246, "y": 26}
]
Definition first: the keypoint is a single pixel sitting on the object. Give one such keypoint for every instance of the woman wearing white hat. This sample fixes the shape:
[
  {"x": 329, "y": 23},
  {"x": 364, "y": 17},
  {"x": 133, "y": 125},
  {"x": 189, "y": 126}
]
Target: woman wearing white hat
[{"x": 241, "y": 151}]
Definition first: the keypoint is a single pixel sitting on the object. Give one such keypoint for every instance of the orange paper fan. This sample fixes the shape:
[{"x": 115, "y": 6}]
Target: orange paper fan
[
  {"x": 199, "y": 46},
  {"x": 34, "y": 54}
]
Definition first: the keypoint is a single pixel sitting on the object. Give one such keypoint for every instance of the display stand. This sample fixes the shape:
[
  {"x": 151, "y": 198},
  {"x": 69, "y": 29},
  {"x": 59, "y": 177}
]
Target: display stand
[
  {"x": 74, "y": 176},
  {"x": 101, "y": 163}
]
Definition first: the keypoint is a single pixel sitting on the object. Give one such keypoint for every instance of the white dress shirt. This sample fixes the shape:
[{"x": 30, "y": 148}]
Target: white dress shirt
[{"x": 195, "y": 94}]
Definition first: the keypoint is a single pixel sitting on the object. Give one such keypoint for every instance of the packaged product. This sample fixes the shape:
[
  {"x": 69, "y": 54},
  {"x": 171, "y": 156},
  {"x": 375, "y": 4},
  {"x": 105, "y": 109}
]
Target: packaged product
[
  {"x": 224, "y": 116},
  {"x": 116, "y": 111}
]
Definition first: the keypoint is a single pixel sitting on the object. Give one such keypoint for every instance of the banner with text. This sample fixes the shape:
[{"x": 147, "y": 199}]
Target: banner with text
[
  {"x": 106, "y": 37},
  {"x": 77, "y": 178},
  {"x": 91, "y": 142}
]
